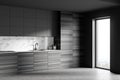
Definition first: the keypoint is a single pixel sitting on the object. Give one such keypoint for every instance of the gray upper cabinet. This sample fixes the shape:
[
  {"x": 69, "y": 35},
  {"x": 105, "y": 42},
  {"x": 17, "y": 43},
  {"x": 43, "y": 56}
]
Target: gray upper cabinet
[
  {"x": 29, "y": 22},
  {"x": 43, "y": 23},
  {"x": 16, "y": 21},
  {"x": 4, "y": 21}
]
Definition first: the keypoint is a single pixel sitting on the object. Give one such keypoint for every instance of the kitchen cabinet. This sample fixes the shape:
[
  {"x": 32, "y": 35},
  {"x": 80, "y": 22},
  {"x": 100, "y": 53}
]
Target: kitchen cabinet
[
  {"x": 4, "y": 21},
  {"x": 25, "y": 61},
  {"x": 40, "y": 61},
  {"x": 29, "y": 22},
  {"x": 35, "y": 61},
  {"x": 8, "y": 62},
  {"x": 54, "y": 60},
  {"x": 16, "y": 21}
]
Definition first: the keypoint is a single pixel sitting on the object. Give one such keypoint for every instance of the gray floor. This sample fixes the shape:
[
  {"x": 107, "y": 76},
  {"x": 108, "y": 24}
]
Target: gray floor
[{"x": 66, "y": 74}]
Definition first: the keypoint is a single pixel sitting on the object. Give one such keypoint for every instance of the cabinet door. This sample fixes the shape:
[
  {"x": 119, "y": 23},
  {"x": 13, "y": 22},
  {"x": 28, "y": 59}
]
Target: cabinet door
[
  {"x": 54, "y": 60},
  {"x": 4, "y": 21},
  {"x": 8, "y": 62},
  {"x": 25, "y": 61},
  {"x": 29, "y": 22},
  {"x": 16, "y": 21},
  {"x": 67, "y": 59},
  {"x": 40, "y": 61},
  {"x": 43, "y": 23}
]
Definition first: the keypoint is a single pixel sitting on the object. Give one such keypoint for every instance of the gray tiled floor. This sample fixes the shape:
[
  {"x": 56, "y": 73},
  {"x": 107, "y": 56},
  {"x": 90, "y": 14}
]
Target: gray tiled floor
[{"x": 65, "y": 74}]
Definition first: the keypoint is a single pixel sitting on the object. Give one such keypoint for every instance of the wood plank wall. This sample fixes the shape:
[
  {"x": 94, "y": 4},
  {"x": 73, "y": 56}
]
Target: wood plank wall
[{"x": 70, "y": 37}]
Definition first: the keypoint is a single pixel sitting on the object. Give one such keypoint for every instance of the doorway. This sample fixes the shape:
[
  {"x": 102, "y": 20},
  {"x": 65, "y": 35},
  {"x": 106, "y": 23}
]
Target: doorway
[{"x": 102, "y": 43}]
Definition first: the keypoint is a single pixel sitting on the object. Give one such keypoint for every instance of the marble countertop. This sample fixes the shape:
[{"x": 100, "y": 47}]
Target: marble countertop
[{"x": 33, "y": 51}]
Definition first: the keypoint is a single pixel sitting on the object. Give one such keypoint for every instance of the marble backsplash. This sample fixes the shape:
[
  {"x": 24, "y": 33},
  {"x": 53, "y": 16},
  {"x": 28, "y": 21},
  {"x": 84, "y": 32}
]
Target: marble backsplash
[{"x": 16, "y": 43}]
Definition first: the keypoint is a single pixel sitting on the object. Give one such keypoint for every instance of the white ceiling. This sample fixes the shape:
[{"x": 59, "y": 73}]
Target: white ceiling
[{"x": 61, "y": 5}]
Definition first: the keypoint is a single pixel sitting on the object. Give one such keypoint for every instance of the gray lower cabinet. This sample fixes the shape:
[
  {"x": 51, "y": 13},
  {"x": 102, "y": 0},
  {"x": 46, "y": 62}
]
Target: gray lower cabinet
[
  {"x": 40, "y": 61},
  {"x": 8, "y": 62},
  {"x": 46, "y": 60},
  {"x": 22, "y": 62},
  {"x": 25, "y": 62},
  {"x": 54, "y": 60}
]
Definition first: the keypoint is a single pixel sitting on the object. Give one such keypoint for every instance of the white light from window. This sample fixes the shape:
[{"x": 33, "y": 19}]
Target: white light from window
[{"x": 103, "y": 43}]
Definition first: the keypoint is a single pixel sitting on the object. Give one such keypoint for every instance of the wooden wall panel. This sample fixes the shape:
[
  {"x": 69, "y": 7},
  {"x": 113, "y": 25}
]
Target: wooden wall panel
[{"x": 70, "y": 38}]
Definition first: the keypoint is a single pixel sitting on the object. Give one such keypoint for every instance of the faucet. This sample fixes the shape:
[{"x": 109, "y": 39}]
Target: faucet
[{"x": 35, "y": 46}]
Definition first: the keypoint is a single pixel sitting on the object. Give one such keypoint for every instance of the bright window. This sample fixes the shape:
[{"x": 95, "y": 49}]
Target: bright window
[{"x": 103, "y": 43}]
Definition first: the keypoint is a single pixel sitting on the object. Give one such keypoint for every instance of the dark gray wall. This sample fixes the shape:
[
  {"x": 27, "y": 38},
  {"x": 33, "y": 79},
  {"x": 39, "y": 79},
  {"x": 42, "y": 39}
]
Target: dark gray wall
[
  {"x": 18, "y": 21},
  {"x": 85, "y": 42},
  {"x": 114, "y": 14},
  {"x": 56, "y": 28}
]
